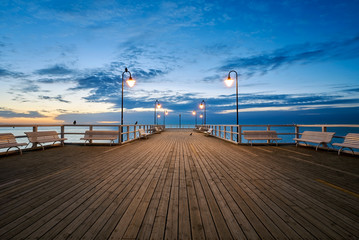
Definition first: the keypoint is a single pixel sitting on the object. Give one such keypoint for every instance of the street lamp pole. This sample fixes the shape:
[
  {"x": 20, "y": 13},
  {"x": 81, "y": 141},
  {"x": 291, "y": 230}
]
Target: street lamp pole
[
  {"x": 229, "y": 82},
  {"x": 130, "y": 82},
  {"x": 194, "y": 113},
  {"x": 164, "y": 118},
  {"x": 203, "y": 106},
  {"x": 157, "y": 105}
]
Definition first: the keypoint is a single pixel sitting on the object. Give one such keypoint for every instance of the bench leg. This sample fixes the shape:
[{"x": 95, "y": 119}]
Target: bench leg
[
  {"x": 340, "y": 149},
  {"x": 43, "y": 148},
  {"x": 316, "y": 149}
]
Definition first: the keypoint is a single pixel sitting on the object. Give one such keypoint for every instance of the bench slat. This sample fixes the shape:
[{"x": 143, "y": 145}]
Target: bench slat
[
  {"x": 261, "y": 135},
  {"x": 44, "y": 137},
  {"x": 315, "y": 137},
  {"x": 351, "y": 141},
  {"x": 8, "y": 140},
  {"x": 100, "y": 135}
]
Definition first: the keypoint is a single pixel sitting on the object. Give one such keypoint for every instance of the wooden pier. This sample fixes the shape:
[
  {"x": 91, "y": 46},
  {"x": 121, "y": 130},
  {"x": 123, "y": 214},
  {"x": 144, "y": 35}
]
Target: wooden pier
[{"x": 179, "y": 186}]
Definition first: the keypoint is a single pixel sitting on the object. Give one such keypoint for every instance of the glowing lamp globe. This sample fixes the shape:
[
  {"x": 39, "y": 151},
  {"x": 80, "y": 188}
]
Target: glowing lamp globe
[
  {"x": 194, "y": 113},
  {"x": 159, "y": 106},
  {"x": 229, "y": 82},
  {"x": 201, "y": 116},
  {"x": 131, "y": 82},
  {"x": 158, "y": 116},
  {"x": 201, "y": 106}
]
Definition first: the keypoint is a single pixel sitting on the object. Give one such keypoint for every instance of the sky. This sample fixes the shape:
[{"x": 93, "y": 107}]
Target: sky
[{"x": 63, "y": 60}]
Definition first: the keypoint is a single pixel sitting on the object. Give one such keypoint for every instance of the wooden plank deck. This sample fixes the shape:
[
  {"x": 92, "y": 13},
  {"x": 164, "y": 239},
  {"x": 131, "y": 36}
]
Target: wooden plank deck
[{"x": 177, "y": 186}]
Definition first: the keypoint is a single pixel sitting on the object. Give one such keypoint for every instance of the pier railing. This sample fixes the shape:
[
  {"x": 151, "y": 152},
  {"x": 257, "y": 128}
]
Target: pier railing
[
  {"x": 226, "y": 132},
  {"x": 75, "y": 132},
  {"x": 233, "y": 132}
]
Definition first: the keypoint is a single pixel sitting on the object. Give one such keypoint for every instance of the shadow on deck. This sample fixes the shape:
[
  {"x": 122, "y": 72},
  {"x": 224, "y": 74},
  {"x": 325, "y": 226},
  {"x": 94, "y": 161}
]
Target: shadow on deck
[{"x": 177, "y": 186}]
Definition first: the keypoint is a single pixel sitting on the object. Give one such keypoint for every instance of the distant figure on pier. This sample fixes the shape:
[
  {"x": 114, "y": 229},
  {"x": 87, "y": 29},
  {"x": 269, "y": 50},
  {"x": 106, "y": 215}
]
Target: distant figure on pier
[
  {"x": 75, "y": 122},
  {"x": 136, "y": 123},
  {"x": 190, "y": 134}
]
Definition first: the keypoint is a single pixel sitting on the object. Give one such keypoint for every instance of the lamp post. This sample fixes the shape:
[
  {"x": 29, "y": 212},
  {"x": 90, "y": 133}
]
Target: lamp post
[
  {"x": 157, "y": 106},
  {"x": 165, "y": 113},
  {"x": 194, "y": 113},
  {"x": 229, "y": 83},
  {"x": 130, "y": 82},
  {"x": 203, "y": 106}
]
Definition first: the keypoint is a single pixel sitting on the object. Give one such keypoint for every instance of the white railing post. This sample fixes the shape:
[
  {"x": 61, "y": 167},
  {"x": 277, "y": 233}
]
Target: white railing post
[
  {"x": 239, "y": 135},
  {"x": 128, "y": 132},
  {"x": 90, "y": 128},
  {"x": 231, "y": 133},
  {"x": 34, "y": 129}
]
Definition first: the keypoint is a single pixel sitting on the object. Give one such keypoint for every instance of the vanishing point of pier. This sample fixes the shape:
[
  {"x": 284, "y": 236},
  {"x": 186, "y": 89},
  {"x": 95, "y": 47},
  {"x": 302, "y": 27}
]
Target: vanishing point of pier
[{"x": 179, "y": 186}]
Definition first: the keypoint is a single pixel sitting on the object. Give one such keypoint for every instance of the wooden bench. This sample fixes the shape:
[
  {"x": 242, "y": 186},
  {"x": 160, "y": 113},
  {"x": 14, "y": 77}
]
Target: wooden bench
[
  {"x": 351, "y": 141},
  {"x": 142, "y": 133},
  {"x": 261, "y": 135},
  {"x": 100, "y": 135},
  {"x": 208, "y": 132},
  {"x": 319, "y": 138},
  {"x": 8, "y": 140},
  {"x": 44, "y": 137}
]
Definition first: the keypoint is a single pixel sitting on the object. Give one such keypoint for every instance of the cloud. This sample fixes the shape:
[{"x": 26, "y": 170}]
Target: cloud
[
  {"x": 57, "y": 98},
  {"x": 57, "y": 70},
  {"x": 105, "y": 85},
  {"x": 55, "y": 80},
  {"x": 8, "y": 73},
  {"x": 8, "y": 113},
  {"x": 297, "y": 54},
  {"x": 352, "y": 90}
]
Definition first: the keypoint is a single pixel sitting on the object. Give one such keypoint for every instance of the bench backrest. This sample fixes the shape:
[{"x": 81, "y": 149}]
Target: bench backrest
[
  {"x": 263, "y": 134},
  {"x": 141, "y": 131},
  {"x": 106, "y": 134},
  {"x": 7, "y": 138},
  {"x": 318, "y": 136},
  {"x": 42, "y": 136},
  {"x": 352, "y": 139}
]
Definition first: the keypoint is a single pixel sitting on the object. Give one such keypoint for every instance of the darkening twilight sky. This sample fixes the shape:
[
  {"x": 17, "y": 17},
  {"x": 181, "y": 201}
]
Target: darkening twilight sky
[{"x": 298, "y": 61}]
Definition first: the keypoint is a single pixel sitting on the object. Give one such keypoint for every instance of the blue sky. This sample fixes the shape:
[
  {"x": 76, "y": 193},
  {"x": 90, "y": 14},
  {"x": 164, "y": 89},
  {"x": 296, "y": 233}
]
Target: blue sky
[{"x": 62, "y": 60}]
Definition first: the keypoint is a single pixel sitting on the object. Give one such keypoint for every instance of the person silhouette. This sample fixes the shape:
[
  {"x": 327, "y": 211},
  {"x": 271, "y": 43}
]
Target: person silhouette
[
  {"x": 136, "y": 123},
  {"x": 75, "y": 122}
]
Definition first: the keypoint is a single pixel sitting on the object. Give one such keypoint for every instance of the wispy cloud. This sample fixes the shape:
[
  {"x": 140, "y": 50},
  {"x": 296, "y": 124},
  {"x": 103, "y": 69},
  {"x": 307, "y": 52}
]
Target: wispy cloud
[
  {"x": 8, "y": 73},
  {"x": 57, "y": 98},
  {"x": 8, "y": 113},
  {"x": 296, "y": 54},
  {"x": 56, "y": 70}
]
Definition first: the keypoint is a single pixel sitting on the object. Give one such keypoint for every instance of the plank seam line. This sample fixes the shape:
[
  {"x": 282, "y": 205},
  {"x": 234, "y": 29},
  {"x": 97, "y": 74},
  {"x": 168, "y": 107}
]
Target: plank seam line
[
  {"x": 327, "y": 167},
  {"x": 338, "y": 188}
]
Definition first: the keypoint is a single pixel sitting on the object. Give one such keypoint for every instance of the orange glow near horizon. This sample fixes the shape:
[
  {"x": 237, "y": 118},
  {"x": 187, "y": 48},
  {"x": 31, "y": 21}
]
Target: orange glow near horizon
[{"x": 31, "y": 121}]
